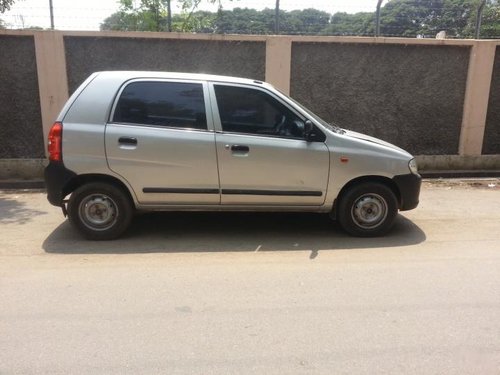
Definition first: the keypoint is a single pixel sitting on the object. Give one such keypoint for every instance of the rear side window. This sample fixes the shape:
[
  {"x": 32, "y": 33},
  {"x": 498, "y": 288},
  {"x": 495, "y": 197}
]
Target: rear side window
[{"x": 166, "y": 104}]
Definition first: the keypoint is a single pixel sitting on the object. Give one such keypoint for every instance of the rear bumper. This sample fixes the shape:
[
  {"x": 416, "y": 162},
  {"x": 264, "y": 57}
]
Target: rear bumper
[
  {"x": 409, "y": 188},
  {"x": 57, "y": 177}
]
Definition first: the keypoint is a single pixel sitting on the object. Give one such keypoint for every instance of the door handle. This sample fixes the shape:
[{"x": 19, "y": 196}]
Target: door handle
[
  {"x": 240, "y": 148},
  {"x": 127, "y": 141}
]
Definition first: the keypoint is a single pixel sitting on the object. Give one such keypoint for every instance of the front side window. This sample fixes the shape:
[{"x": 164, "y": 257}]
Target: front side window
[
  {"x": 251, "y": 111},
  {"x": 166, "y": 104}
]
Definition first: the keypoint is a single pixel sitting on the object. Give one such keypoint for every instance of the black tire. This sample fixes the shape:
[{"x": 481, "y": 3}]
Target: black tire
[
  {"x": 367, "y": 210},
  {"x": 100, "y": 211}
]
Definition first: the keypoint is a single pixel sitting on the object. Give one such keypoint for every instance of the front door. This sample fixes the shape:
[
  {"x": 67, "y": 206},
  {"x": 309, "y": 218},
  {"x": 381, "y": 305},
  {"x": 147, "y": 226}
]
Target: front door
[{"x": 263, "y": 156}]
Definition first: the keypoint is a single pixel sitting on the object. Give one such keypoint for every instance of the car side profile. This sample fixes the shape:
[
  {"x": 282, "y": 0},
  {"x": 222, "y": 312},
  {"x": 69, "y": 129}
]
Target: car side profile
[{"x": 140, "y": 141}]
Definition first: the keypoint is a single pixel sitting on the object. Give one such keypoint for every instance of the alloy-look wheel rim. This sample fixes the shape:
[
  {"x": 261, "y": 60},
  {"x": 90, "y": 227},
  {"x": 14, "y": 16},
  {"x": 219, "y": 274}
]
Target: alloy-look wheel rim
[
  {"x": 369, "y": 211},
  {"x": 98, "y": 212}
]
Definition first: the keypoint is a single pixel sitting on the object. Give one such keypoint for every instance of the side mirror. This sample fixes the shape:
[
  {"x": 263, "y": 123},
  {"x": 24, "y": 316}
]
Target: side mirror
[
  {"x": 312, "y": 133},
  {"x": 308, "y": 130}
]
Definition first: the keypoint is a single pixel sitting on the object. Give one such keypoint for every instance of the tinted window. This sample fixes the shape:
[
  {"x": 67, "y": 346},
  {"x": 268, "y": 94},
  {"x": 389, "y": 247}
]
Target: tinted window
[
  {"x": 170, "y": 104},
  {"x": 245, "y": 110}
]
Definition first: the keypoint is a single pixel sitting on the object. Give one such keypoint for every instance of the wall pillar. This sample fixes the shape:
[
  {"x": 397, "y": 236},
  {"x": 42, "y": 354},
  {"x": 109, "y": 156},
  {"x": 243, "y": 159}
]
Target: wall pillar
[
  {"x": 278, "y": 62},
  {"x": 52, "y": 77},
  {"x": 477, "y": 94}
]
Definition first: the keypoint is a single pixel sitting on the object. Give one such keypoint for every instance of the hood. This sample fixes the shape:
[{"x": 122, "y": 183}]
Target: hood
[{"x": 368, "y": 138}]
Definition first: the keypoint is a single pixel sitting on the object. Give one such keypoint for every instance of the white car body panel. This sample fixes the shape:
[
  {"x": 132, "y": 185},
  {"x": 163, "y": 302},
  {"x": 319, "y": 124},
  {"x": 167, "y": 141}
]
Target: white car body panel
[{"x": 292, "y": 165}]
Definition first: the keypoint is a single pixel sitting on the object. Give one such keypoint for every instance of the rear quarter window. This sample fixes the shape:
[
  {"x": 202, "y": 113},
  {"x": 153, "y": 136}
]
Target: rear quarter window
[{"x": 164, "y": 104}]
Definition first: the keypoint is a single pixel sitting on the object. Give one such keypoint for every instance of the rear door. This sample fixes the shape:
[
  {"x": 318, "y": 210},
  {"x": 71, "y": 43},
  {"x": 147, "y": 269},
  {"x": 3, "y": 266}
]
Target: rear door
[
  {"x": 263, "y": 156},
  {"x": 161, "y": 140}
]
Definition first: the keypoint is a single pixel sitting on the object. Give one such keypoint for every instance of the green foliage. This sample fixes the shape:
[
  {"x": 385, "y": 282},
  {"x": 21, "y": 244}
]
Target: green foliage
[
  {"x": 490, "y": 26},
  {"x": 150, "y": 15},
  {"x": 244, "y": 21},
  {"x": 411, "y": 18},
  {"x": 5, "y": 5},
  {"x": 361, "y": 23},
  {"x": 407, "y": 18},
  {"x": 307, "y": 21},
  {"x": 200, "y": 22},
  {"x": 251, "y": 21},
  {"x": 426, "y": 18}
]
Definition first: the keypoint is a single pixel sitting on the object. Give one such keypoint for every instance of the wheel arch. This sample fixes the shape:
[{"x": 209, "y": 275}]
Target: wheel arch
[
  {"x": 83, "y": 179},
  {"x": 362, "y": 179}
]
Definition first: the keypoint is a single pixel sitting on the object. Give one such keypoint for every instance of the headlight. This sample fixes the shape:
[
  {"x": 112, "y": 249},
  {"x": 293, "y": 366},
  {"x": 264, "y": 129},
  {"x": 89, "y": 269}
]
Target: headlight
[{"x": 413, "y": 166}]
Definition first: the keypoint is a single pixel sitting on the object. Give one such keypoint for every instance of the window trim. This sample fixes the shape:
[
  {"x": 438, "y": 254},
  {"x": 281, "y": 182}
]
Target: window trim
[
  {"x": 218, "y": 122},
  {"x": 206, "y": 98}
]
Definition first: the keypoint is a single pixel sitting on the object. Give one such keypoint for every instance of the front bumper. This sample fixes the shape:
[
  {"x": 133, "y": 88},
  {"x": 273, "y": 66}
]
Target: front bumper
[
  {"x": 57, "y": 177},
  {"x": 409, "y": 189}
]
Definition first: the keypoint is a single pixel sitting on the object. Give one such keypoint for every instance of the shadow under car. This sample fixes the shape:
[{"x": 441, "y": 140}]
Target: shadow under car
[{"x": 173, "y": 232}]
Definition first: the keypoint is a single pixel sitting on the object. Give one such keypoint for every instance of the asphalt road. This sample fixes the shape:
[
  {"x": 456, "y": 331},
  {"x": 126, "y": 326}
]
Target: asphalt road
[{"x": 254, "y": 294}]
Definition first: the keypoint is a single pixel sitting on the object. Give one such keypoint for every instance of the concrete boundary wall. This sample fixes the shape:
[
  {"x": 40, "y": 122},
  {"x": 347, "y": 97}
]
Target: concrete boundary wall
[
  {"x": 491, "y": 143},
  {"x": 52, "y": 73},
  {"x": 21, "y": 133}
]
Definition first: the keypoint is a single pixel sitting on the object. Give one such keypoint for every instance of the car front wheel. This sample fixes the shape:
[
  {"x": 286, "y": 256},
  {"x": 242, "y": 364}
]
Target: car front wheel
[
  {"x": 100, "y": 211},
  {"x": 367, "y": 210}
]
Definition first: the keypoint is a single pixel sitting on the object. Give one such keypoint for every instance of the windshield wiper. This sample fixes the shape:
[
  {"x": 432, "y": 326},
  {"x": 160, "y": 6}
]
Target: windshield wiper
[{"x": 336, "y": 128}]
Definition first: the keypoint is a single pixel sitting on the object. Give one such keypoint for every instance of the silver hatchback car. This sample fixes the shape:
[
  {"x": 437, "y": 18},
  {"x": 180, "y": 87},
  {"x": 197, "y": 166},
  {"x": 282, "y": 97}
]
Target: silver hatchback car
[{"x": 128, "y": 141}]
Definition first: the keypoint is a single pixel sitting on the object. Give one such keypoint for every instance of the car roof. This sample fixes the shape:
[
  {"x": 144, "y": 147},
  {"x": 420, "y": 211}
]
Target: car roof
[{"x": 131, "y": 74}]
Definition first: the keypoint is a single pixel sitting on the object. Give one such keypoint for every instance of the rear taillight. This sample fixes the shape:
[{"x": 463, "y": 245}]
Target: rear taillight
[{"x": 55, "y": 142}]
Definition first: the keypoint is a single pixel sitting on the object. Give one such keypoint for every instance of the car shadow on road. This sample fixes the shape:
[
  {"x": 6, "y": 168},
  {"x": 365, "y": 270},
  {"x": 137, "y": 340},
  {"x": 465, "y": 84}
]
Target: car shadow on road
[{"x": 227, "y": 232}]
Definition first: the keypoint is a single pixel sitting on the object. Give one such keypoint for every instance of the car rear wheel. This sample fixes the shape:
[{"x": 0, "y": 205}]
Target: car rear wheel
[
  {"x": 100, "y": 211},
  {"x": 367, "y": 210}
]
